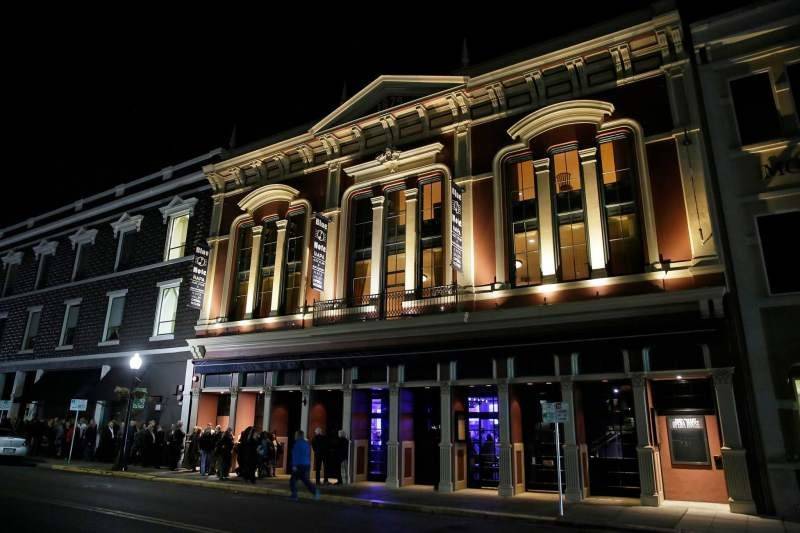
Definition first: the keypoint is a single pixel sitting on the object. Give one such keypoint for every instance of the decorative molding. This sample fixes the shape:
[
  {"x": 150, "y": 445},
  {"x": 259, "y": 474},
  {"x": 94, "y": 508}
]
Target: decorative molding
[
  {"x": 83, "y": 236},
  {"x": 391, "y": 161},
  {"x": 560, "y": 114},
  {"x": 45, "y": 247},
  {"x": 269, "y": 193},
  {"x": 127, "y": 223},
  {"x": 12, "y": 258},
  {"x": 178, "y": 206}
]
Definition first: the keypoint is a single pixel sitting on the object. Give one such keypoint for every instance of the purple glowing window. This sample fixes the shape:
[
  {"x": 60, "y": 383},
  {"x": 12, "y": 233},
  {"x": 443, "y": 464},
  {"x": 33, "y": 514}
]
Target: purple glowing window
[
  {"x": 377, "y": 406},
  {"x": 482, "y": 405}
]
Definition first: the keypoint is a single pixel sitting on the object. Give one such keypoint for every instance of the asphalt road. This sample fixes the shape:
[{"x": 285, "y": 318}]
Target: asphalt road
[{"x": 42, "y": 500}]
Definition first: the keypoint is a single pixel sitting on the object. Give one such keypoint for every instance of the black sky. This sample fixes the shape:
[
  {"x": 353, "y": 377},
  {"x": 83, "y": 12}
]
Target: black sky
[{"x": 95, "y": 99}]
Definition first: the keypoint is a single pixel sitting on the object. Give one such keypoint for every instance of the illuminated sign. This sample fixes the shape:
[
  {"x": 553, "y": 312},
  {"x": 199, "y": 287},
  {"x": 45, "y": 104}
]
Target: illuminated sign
[{"x": 319, "y": 251}]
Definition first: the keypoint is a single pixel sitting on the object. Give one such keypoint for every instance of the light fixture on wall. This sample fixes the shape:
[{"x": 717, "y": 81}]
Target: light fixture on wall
[
  {"x": 518, "y": 263},
  {"x": 424, "y": 278}
]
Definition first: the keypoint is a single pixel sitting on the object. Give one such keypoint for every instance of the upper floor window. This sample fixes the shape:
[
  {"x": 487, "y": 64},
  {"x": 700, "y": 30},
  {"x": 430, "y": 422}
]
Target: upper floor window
[
  {"x": 167, "y": 308},
  {"x": 624, "y": 251},
  {"x": 361, "y": 248},
  {"x": 757, "y": 117},
  {"x": 242, "y": 275},
  {"x": 269, "y": 249},
  {"x": 525, "y": 266},
  {"x": 44, "y": 251},
  {"x": 11, "y": 262},
  {"x": 395, "y": 242},
  {"x": 776, "y": 253},
  {"x": 793, "y": 74},
  {"x": 573, "y": 256},
  {"x": 176, "y": 215},
  {"x": 81, "y": 241},
  {"x": 431, "y": 262},
  {"x": 31, "y": 328},
  {"x": 295, "y": 233},
  {"x": 70, "y": 324},
  {"x": 116, "y": 307},
  {"x": 126, "y": 229}
]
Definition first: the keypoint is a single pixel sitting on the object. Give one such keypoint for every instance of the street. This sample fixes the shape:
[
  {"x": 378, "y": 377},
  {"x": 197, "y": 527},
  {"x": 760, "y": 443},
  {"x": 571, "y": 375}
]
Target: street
[{"x": 39, "y": 499}]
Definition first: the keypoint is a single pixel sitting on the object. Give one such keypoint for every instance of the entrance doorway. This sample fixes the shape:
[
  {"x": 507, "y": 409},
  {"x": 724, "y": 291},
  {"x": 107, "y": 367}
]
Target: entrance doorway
[
  {"x": 378, "y": 434},
  {"x": 285, "y": 421},
  {"x": 483, "y": 440},
  {"x": 610, "y": 428},
  {"x": 539, "y": 438},
  {"x": 420, "y": 433}
]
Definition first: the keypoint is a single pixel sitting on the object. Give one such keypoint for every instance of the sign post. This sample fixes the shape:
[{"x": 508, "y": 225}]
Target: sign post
[
  {"x": 77, "y": 406},
  {"x": 556, "y": 413}
]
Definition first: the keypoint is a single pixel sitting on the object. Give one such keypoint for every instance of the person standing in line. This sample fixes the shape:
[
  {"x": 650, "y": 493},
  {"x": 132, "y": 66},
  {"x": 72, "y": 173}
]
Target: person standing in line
[
  {"x": 178, "y": 437},
  {"x": 339, "y": 448},
  {"x": 206, "y": 445},
  {"x": 90, "y": 440},
  {"x": 301, "y": 464},
  {"x": 190, "y": 458},
  {"x": 224, "y": 450},
  {"x": 320, "y": 446}
]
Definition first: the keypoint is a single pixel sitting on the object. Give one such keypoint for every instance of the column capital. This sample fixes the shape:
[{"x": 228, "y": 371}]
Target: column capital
[
  {"x": 195, "y": 393},
  {"x": 394, "y": 388},
  {"x": 541, "y": 165},
  {"x": 377, "y": 201},
  {"x": 332, "y": 212},
  {"x": 234, "y": 392},
  {"x": 722, "y": 376},
  {"x": 566, "y": 382},
  {"x": 267, "y": 389},
  {"x": 257, "y": 229},
  {"x": 411, "y": 194},
  {"x": 638, "y": 379},
  {"x": 588, "y": 155},
  {"x": 281, "y": 224}
]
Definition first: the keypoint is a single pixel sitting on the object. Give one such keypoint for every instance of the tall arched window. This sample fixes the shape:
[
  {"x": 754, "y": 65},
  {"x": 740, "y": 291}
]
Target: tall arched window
[
  {"x": 269, "y": 246},
  {"x": 524, "y": 212},
  {"x": 360, "y": 248},
  {"x": 569, "y": 210},
  {"x": 395, "y": 242},
  {"x": 430, "y": 269},
  {"x": 242, "y": 276},
  {"x": 295, "y": 231},
  {"x": 624, "y": 250}
]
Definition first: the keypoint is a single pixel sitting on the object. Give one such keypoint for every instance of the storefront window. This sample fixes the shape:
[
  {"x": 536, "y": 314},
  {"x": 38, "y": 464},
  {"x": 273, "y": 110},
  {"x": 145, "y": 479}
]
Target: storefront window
[
  {"x": 525, "y": 266},
  {"x": 573, "y": 254}
]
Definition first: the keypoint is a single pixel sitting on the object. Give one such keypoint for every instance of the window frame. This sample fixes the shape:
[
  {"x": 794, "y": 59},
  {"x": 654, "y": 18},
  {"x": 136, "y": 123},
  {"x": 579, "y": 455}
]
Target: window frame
[
  {"x": 233, "y": 293},
  {"x": 170, "y": 232},
  {"x": 177, "y": 207},
  {"x": 80, "y": 239},
  {"x": 761, "y": 252},
  {"x": 112, "y": 295},
  {"x": 768, "y": 71},
  {"x": 300, "y": 224},
  {"x": 420, "y": 214},
  {"x": 163, "y": 286},
  {"x": 386, "y": 246},
  {"x": 120, "y": 243},
  {"x": 69, "y": 304},
  {"x": 349, "y": 293},
  {"x": 551, "y": 153},
  {"x": 792, "y": 90},
  {"x": 11, "y": 264},
  {"x": 44, "y": 251},
  {"x": 26, "y": 335},
  {"x": 511, "y": 255}
]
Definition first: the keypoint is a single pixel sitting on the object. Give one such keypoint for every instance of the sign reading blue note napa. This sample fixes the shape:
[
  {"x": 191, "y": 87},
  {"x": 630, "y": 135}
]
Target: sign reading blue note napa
[
  {"x": 197, "y": 281},
  {"x": 319, "y": 251},
  {"x": 456, "y": 237}
]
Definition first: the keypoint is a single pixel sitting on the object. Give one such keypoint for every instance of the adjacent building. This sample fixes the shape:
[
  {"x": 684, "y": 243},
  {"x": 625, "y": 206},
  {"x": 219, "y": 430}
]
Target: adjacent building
[
  {"x": 440, "y": 254},
  {"x": 749, "y": 64},
  {"x": 86, "y": 286}
]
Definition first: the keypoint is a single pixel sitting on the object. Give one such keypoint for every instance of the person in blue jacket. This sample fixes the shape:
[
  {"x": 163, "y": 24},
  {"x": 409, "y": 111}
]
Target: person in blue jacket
[{"x": 301, "y": 465}]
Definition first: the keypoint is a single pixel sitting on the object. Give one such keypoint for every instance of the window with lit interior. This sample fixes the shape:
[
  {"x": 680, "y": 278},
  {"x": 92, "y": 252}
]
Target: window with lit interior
[
  {"x": 431, "y": 262},
  {"x": 266, "y": 279},
  {"x": 360, "y": 248},
  {"x": 242, "y": 273},
  {"x": 524, "y": 212},
  {"x": 569, "y": 208},
  {"x": 295, "y": 233}
]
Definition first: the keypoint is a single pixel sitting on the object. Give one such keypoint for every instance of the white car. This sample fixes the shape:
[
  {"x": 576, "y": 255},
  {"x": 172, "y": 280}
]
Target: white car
[{"x": 11, "y": 444}]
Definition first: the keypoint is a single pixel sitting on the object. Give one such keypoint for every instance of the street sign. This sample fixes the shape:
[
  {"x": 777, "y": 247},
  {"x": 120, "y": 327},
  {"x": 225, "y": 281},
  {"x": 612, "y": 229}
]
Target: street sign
[
  {"x": 78, "y": 405},
  {"x": 553, "y": 412},
  {"x": 138, "y": 403},
  {"x": 5, "y": 405}
]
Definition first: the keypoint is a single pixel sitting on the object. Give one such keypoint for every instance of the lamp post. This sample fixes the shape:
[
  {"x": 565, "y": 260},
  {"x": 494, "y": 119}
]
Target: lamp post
[{"x": 135, "y": 363}]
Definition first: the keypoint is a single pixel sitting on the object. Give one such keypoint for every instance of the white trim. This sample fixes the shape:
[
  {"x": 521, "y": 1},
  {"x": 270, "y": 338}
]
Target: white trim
[
  {"x": 45, "y": 247},
  {"x": 3, "y": 315},
  {"x": 112, "y": 295},
  {"x": 276, "y": 192},
  {"x": 69, "y": 304},
  {"x": 82, "y": 236},
  {"x": 560, "y": 114},
  {"x": 163, "y": 286},
  {"x": 170, "y": 283},
  {"x": 177, "y": 207},
  {"x": 163, "y": 337},
  {"x": 108, "y": 343},
  {"x": 119, "y": 292},
  {"x": 170, "y": 221},
  {"x": 12, "y": 258},
  {"x": 73, "y": 301},
  {"x": 35, "y": 308},
  {"x": 63, "y": 347}
]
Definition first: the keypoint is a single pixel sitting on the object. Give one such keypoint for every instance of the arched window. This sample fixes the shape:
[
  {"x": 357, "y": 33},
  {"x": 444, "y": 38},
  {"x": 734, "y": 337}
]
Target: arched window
[
  {"x": 430, "y": 269},
  {"x": 269, "y": 248},
  {"x": 573, "y": 257},
  {"x": 242, "y": 276},
  {"x": 624, "y": 242},
  {"x": 524, "y": 212},
  {"x": 360, "y": 248},
  {"x": 295, "y": 230}
]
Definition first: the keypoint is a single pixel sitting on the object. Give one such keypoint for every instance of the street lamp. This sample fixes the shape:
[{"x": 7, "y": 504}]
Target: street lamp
[{"x": 135, "y": 363}]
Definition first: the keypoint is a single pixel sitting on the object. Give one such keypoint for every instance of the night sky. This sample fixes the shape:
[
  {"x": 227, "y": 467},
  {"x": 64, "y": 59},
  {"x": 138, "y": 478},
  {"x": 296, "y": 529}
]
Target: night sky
[{"x": 92, "y": 102}]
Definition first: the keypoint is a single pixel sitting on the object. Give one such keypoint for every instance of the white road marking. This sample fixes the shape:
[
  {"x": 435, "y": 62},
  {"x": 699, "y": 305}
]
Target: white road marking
[{"x": 123, "y": 514}]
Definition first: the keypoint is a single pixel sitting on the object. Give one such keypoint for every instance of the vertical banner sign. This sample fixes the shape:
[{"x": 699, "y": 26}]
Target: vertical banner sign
[
  {"x": 456, "y": 239},
  {"x": 197, "y": 282},
  {"x": 319, "y": 251}
]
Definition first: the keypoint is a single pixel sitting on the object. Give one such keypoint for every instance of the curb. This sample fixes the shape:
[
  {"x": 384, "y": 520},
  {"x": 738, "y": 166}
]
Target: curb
[{"x": 360, "y": 502}]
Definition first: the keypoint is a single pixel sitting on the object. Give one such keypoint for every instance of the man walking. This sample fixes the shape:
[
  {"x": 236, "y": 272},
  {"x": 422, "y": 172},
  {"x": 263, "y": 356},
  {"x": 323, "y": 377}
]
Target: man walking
[{"x": 301, "y": 464}]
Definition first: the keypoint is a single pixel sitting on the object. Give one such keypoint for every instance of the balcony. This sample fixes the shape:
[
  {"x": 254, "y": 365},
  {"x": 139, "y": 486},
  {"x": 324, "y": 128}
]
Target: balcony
[{"x": 389, "y": 305}]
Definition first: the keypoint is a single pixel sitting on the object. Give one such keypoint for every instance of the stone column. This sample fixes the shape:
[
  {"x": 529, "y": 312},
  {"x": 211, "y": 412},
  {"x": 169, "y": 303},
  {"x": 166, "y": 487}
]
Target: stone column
[
  {"x": 734, "y": 456},
  {"x": 332, "y": 185},
  {"x": 304, "y": 407},
  {"x": 232, "y": 413},
  {"x": 267, "y": 412},
  {"x": 331, "y": 258},
  {"x": 393, "y": 444},
  {"x": 594, "y": 216},
  {"x": 506, "y": 486},
  {"x": 377, "y": 244},
  {"x": 195, "y": 405},
  {"x": 277, "y": 280},
  {"x": 347, "y": 418},
  {"x": 446, "y": 442},
  {"x": 411, "y": 238},
  {"x": 255, "y": 264},
  {"x": 99, "y": 411},
  {"x": 647, "y": 454},
  {"x": 572, "y": 451},
  {"x": 546, "y": 236},
  {"x": 186, "y": 403},
  {"x": 16, "y": 394}
]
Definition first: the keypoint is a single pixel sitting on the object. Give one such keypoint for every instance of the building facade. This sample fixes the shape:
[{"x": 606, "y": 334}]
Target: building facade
[
  {"x": 88, "y": 285},
  {"x": 749, "y": 64},
  {"x": 440, "y": 254}
]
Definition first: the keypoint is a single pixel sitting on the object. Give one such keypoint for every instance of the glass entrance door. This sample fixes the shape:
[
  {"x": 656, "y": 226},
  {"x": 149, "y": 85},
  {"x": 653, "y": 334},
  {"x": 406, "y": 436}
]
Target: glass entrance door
[
  {"x": 378, "y": 434},
  {"x": 483, "y": 442}
]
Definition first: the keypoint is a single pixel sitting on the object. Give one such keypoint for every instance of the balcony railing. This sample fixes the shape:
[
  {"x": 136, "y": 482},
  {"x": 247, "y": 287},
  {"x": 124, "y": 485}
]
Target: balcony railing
[{"x": 387, "y": 305}]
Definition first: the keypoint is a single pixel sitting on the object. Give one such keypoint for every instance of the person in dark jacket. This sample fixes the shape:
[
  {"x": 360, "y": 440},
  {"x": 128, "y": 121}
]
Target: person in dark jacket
[
  {"x": 176, "y": 445},
  {"x": 224, "y": 450},
  {"x": 338, "y": 455},
  {"x": 248, "y": 455},
  {"x": 91, "y": 440},
  {"x": 320, "y": 446},
  {"x": 301, "y": 464},
  {"x": 192, "y": 453},
  {"x": 206, "y": 446}
]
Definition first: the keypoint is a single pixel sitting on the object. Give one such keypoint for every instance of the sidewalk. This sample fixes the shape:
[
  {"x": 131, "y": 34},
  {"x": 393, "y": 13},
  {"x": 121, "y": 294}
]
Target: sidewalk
[{"x": 607, "y": 513}]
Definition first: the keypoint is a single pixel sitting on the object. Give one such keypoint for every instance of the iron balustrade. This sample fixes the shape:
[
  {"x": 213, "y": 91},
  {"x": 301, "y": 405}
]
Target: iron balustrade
[{"x": 388, "y": 305}]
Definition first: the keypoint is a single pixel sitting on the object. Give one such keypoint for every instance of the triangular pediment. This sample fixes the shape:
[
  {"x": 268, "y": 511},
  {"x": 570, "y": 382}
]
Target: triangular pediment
[{"x": 386, "y": 92}]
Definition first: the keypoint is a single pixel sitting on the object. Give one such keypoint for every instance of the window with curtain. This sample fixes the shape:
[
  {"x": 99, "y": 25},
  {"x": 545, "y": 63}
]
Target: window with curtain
[
  {"x": 70, "y": 324},
  {"x": 295, "y": 233},
  {"x": 167, "y": 310},
  {"x": 242, "y": 275},
  {"x": 525, "y": 266},
  {"x": 269, "y": 248},
  {"x": 116, "y": 305},
  {"x": 176, "y": 241},
  {"x": 625, "y": 255},
  {"x": 568, "y": 193},
  {"x": 395, "y": 242},
  {"x": 361, "y": 248},
  {"x": 431, "y": 260}
]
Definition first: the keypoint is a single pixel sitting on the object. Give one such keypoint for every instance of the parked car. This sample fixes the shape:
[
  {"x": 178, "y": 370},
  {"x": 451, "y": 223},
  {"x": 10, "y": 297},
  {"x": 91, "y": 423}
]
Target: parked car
[{"x": 12, "y": 444}]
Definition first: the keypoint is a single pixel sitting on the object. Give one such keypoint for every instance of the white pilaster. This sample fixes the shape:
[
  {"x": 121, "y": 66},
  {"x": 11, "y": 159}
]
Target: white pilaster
[
  {"x": 186, "y": 396},
  {"x": 377, "y": 244},
  {"x": 648, "y": 455},
  {"x": 393, "y": 444},
  {"x": 304, "y": 407},
  {"x": 277, "y": 280},
  {"x": 506, "y": 486},
  {"x": 347, "y": 418},
  {"x": 594, "y": 217},
  {"x": 195, "y": 396},
  {"x": 99, "y": 412},
  {"x": 572, "y": 451},
  {"x": 446, "y": 442},
  {"x": 411, "y": 239},
  {"x": 267, "y": 412},
  {"x": 546, "y": 235},
  {"x": 232, "y": 413}
]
